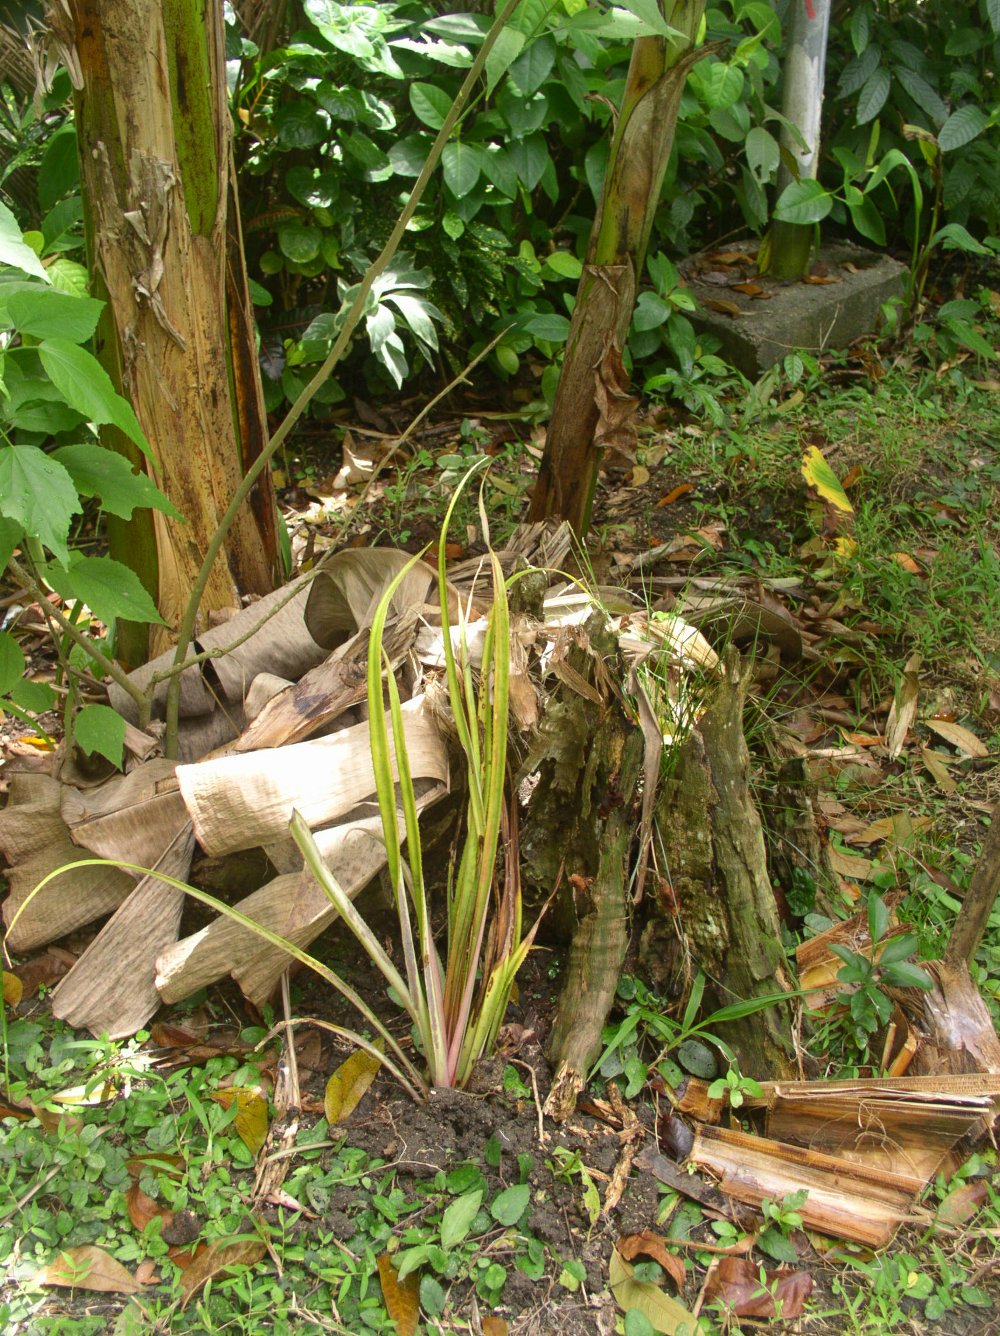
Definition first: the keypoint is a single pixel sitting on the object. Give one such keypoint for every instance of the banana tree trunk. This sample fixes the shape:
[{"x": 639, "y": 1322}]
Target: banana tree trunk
[
  {"x": 177, "y": 335},
  {"x": 592, "y": 405},
  {"x": 802, "y": 106}
]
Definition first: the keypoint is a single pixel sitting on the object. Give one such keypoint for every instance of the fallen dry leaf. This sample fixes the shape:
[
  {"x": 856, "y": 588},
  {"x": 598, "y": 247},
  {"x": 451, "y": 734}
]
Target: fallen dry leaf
[
  {"x": 737, "y": 1283},
  {"x": 251, "y": 1121},
  {"x": 640, "y": 476},
  {"x": 904, "y": 707},
  {"x": 495, "y": 1326},
  {"x": 675, "y": 494},
  {"x": 937, "y": 764},
  {"x": 650, "y": 1244},
  {"x": 142, "y": 1208},
  {"x": 13, "y": 989},
  {"x": 665, "y": 1314},
  {"x": 46, "y": 969},
  {"x": 402, "y": 1297},
  {"x": 962, "y": 1203},
  {"x": 348, "y": 1085},
  {"x": 748, "y": 289},
  {"x": 216, "y": 1259},
  {"x": 724, "y": 308},
  {"x": 89, "y": 1268},
  {"x": 959, "y": 737}
]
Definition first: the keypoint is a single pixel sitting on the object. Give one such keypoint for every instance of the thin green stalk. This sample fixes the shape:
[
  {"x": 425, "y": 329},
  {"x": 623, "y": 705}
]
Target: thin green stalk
[{"x": 185, "y": 631}]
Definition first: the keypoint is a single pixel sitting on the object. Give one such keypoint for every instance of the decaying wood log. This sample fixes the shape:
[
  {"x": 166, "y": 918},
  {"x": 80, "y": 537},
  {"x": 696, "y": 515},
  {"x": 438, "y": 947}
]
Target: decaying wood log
[{"x": 716, "y": 864}]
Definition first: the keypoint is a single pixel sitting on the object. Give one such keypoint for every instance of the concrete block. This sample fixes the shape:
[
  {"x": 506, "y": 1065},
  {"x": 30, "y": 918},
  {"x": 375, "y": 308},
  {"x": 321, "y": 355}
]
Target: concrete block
[{"x": 814, "y": 317}]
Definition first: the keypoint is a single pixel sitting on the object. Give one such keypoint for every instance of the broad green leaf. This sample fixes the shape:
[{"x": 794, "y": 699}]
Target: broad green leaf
[
  {"x": 506, "y": 49},
  {"x": 903, "y": 974},
  {"x": 430, "y": 104},
  {"x": 301, "y": 125},
  {"x": 408, "y": 155},
  {"x": 651, "y": 312},
  {"x": 98, "y": 728},
  {"x": 457, "y": 1219},
  {"x": 298, "y": 243},
  {"x": 860, "y": 28},
  {"x": 923, "y": 94},
  {"x": 69, "y": 276},
  {"x": 552, "y": 328},
  {"x": 108, "y": 588},
  {"x": 12, "y": 662},
  {"x": 818, "y": 473},
  {"x": 34, "y": 696},
  {"x": 59, "y": 170},
  {"x": 993, "y": 11},
  {"x": 564, "y": 264},
  {"x": 953, "y": 236},
  {"x": 348, "y": 1084},
  {"x": 105, "y": 473},
  {"x": 722, "y": 84},
  {"x": 763, "y": 154},
  {"x": 13, "y": 250},
  {"x": 664, "y": 1314},
  {"x": 39, "y": 494},
  {"x": 872, "y": 97},
  {"x": 86, "y": 386},
  {"x": 697, "y": 1058},
  {"x": 419, "y": 314},
  {"x": 803, "y": 202},
  {"x": 898, "y": 948},
  {"x": 432, "y": 1296},
  {"x": 10, "y": 535},
  {"x": 534, "y": 65},
  {"x": 774, "y": 1243},
  {"x": 45, "y": 314},
  {"x": 508, "y": 1206},
  {"x": 961, "y": 127},
  {"x": 530, "y": 158},
  {"x": 462, "y": 166},
  {"x": 649, "y": 13},
  {"x": 499, "y": 170},
  {"x": 878, "y": 918}
]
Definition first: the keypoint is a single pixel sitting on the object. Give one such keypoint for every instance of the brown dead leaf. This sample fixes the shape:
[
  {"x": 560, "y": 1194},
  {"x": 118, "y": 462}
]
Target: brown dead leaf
[
  {"x": 402, "y": 1297},
  {"x": 495, "y": 1326},
  {"x": 732, "y": 257},
  {"x": 142, "y": 1208},
  {"x": 640, "y": 476},
  {"x": 616, "y": 406},
  {"x": 847, "y": 865},
  {"x": 737, "y": 1283},
  {"x": 650, "y": 1244},
  {"x": 748, "y": 289},
  {"x": 146, "y": 1273},
  {"x": 13, "y": 989},
  {"x": 155, "y": 1162},
  {"x": 862, "y": 739},
  {"x": 906, "y": 561},
  {"x": 962, "y": 1203},
  {"x": 88, "y": 1268},
  {"x": 937, "y": 765},
  {"x": 898, "y": 829},
  {"x": 723, "y": 307},
  {"x": 675, "y": 494},
  {"x": 216, "y": 1259},
  {"x": 46, "y": 969},
  {"x": 960, "y": 738},
  {"x": 57, "y": 1122},
  {"x": 818, "y": 278}
]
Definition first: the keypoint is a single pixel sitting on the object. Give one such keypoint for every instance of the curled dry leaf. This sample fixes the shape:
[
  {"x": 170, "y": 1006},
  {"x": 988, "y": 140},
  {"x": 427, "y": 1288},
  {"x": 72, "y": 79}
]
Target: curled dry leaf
[
  {"x": 495, "y": 1326},
  {"x": 251, "y": 1119},
  {"x": 216, "y": 1259},
  {"x": 142, "y": 1208},
  {"x": 402, "y": 1297},
  {"x": 960, "y": 738},
  {"x": 348, "y": 1084},
  {"x": 904, "y": 707},
  {"x": 650, "y": 1244},
  {"x": 89, "y": 1268},
  {"x": 736, "y": 1282}
]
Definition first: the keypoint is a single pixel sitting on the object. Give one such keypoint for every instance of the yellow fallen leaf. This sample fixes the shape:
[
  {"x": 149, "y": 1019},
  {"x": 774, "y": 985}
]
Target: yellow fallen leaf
[
  {"x": 937, "y": 763},
  {"x": 251, "y": 1121},
  {"x": 664, "y": 1314},
  {"x": 348, "y": 1084},
  {"x": 13, "y": 989},
  {"x": 818, "y": 473},
  {"x": 89, "y": 1268},
  {"x": 402, "y": 1297}
]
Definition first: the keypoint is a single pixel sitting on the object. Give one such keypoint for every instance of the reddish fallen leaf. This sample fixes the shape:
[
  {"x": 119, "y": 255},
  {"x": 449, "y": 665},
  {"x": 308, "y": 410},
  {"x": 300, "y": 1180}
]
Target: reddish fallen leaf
[
  {"x": 818, "y": 278},
  {"x": 732, "y": 257},
  {"x": 736, "y": 1282},
  {"x": 146, "y": 1273},
  {"x": 454, "y": 551},
  {"x": 88, "y": 1268},
  {"x": 13, "y": 1111},
  {"x": 217, "y": 1259},
  {"x": 748, "y": 289},
  {"x": 862, "y": 739},
  {"x": 142, "y": 1208},
  {"x": 402, "y": 1297},
  {"x": 904, "y": 560},
  {"x": 675, "y": 494},
  {"x": 962, "y": 1203},
  {"x": 650, "y": 1244}
]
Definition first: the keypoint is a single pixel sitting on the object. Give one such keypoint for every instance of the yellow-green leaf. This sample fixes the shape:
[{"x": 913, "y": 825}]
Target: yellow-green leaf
[
  {"x": 665, "y": 1314},
  {"x": 348, "y": 1084},
  {"x": 402, "y": 1297},
  {"x": 818, "y": 473},
  {"x": 13, "y": 989},
  {"x": 251, "y": 1121}
]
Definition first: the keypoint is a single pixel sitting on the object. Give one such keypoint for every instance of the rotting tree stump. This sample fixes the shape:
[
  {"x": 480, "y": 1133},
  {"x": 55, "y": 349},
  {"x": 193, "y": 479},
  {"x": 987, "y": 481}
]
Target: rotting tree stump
[{"x": 721, "y": 906}]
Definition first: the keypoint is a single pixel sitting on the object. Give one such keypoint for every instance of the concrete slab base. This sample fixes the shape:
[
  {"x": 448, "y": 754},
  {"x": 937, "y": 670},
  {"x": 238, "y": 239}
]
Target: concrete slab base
[{"x": 758, "y": 329}]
